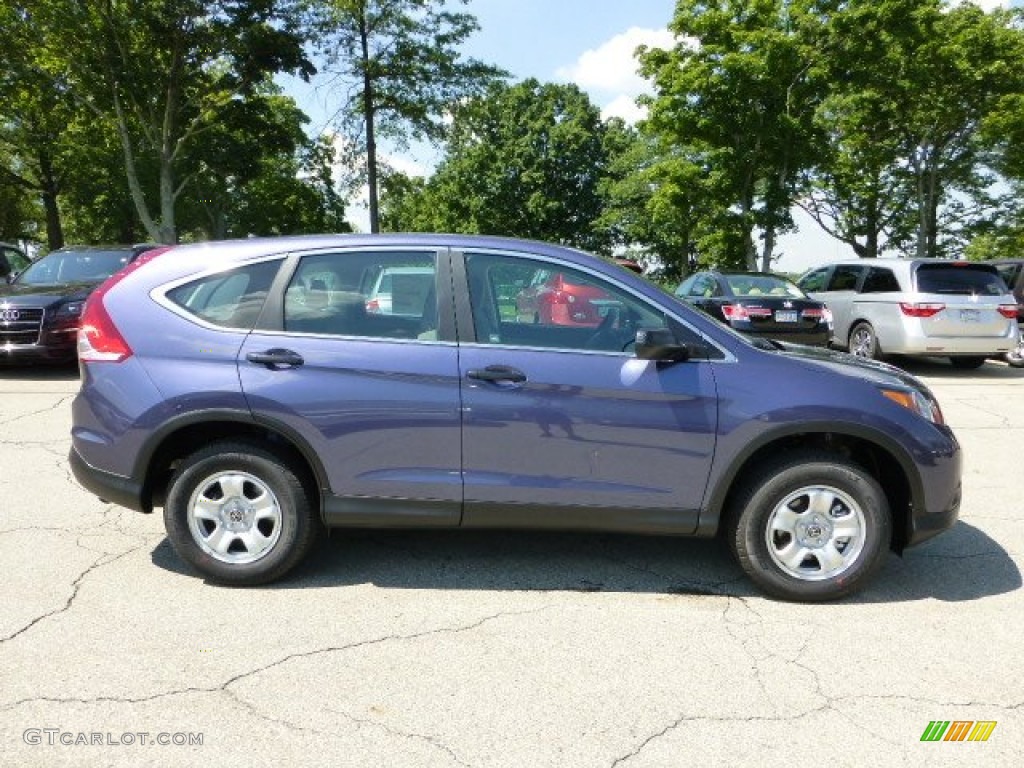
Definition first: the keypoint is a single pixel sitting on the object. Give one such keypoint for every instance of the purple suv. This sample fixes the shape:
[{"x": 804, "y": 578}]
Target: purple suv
[{"x": 246, "y": 389}]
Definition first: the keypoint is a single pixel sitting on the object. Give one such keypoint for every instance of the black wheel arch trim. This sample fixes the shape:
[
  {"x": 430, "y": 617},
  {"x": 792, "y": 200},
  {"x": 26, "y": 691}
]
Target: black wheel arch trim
[
  {"x": 716, "y": 496},
  {"x": 143, "y": 475}
]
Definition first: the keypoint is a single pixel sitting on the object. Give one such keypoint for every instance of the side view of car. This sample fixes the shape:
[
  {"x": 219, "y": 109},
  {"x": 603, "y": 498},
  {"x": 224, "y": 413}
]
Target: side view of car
[
  {"x": 214, "y": 387},
  {"x": 759, "y": 304},
  {"x": 41, "y": 306},
  {"x": 932, "y": 307},
  {"x": 1012, "y": 272}
]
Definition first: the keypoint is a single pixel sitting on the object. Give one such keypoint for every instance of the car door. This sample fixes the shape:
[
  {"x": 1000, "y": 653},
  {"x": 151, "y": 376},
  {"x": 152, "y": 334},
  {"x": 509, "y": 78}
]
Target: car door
[
  {"x": 562, "y": 426},
  {"x": 374, "y": 396}
]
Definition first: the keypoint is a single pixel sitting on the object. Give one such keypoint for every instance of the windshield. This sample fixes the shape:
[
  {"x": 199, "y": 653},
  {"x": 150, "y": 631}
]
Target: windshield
[{"x": 62, "y": 267}]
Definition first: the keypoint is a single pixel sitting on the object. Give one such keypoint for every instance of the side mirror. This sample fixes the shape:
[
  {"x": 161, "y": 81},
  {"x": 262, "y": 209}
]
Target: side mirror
[{"x": 660, "y": 344}]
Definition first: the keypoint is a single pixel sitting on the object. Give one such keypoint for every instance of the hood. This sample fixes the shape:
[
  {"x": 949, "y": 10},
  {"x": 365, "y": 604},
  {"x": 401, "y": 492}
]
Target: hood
[
  {"x": 44, "y": 295},
  {"x": 851, "y": 365}
]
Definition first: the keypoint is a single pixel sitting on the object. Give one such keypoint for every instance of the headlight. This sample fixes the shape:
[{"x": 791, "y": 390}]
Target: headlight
[
  {"x": 71, "y": 309},
  {"x": 918, "y": 402}
]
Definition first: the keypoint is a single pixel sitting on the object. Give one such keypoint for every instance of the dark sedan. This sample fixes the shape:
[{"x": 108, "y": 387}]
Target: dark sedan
[
  {"x": 759, "y": 304},
  {"x": 40, "y": 308}
]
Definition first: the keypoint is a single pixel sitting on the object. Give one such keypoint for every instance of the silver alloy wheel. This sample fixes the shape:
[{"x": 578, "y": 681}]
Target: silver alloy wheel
[
  {"x": 815, "y": 533},
  {"x": 862, "y": 342},
  {"x": 234, "y": 517}
]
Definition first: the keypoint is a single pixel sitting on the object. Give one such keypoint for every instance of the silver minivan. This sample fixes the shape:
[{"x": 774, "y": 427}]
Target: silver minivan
[{"x": 936, "y": 307}]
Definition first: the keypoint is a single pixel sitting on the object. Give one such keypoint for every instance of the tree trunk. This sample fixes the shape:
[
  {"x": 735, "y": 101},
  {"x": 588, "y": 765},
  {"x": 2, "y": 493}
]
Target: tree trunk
[
  {"x": 769, "y": 248},
  {"x": 371, "y": 140},
  {"x": 134, "y": 187},
  {"x": 50, "y": 190}
]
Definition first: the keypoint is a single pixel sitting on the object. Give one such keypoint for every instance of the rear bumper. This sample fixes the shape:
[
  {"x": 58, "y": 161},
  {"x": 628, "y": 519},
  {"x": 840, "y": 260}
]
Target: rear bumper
[
  {"x": 122, "y": 491},
  {"x": 914, "y": 342}
]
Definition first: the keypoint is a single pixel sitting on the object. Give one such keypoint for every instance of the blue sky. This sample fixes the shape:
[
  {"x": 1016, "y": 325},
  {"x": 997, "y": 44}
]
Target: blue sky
[{"x": 589, "y": 42}]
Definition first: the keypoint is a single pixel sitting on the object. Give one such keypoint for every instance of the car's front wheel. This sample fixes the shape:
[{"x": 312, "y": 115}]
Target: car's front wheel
[
  {"x": 239, "y": 514},
  {"x": 810, "y": 527}
]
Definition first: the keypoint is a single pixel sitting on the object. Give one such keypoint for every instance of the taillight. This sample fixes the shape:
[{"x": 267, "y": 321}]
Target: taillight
[
  {"x": 822, "y": 313},
  {"x": 921, "y": 310},
  {"x": 740, "y": 312},
  {"x": 1009, "y": 311},
  {"x": 99, "y": 341}
]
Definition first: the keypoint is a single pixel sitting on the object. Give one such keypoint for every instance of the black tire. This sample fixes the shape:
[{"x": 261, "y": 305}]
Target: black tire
[
  {"x": 779, "y": 496},
  {"x": 863, "y": 342},
  {"x": 258, "y": 520},
  {"x": 968, "y": 363}
]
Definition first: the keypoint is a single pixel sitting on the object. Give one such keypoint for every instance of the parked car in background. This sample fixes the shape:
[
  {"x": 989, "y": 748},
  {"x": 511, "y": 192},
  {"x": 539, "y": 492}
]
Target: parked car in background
[
  {"x": 212, "y": 389},
  {"x": 1012, "y": 272},
  {"x": 41, "y": 306},
  {"x": 933, "y": 307},
  {"x": 12, "y": 261},
  {"x": 553, "y": 298},
  {"x": 759, "y": 304}
]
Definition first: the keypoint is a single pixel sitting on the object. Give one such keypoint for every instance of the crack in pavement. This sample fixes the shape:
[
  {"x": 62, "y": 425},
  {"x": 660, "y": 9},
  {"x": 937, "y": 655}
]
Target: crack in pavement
[
  {"x": 259, "y": 670},
  {"x": 431, "y": 740},
  {"x": 104, "y": 560},
  {"x": 40, "y": 412}
]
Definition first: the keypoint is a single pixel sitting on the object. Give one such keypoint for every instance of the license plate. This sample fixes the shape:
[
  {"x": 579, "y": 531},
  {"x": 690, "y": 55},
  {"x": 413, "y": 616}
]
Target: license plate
[
  {"x": 786, "y": 316},
  {"x": 970, "y": 315}
]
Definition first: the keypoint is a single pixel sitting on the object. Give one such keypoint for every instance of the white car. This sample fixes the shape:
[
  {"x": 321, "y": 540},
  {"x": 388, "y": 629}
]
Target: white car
[
  {"x": 935, "y": 307},
  {"x": 400, "y": 291}
]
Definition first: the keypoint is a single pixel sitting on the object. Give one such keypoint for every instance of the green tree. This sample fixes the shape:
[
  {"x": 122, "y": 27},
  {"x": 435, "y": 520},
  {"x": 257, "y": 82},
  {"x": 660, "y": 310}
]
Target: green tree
[
  {"x": 525, "y": 160},
  {"x": 911, "y": 85},
  {"x": 34, "y": 118},
  {"x": 734, "y": 95},
  {"x": 398, "y": 67},
  {"x": 165, "y": 72}
]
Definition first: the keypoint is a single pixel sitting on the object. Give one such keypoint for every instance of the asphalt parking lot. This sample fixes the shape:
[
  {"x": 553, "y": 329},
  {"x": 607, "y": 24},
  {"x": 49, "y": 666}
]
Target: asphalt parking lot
[{"x": 490, "y": 649}]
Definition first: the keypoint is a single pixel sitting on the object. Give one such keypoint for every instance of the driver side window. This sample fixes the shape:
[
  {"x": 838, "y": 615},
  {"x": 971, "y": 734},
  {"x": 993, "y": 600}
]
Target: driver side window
[{"x": 532, "y": 303}]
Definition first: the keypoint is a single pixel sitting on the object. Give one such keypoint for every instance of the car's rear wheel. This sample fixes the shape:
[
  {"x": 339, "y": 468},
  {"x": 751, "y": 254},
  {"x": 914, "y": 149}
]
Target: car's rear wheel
[
  {"x": 239, "y": 514},
  {"x": 864, "y": 343},
  {"x": 967, "y": 363},
  {"x": 808, "y": 527}
]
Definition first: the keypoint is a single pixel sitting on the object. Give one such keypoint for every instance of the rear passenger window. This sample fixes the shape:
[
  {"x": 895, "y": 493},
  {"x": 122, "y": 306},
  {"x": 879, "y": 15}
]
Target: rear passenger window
[
  {"x": 376, "y": 294},
  {"x": 230, "y": 299},
  {"x": 880, "y": 280}
]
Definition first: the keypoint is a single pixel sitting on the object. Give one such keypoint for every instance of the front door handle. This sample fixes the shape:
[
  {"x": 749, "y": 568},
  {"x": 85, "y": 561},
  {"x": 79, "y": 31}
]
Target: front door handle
[
  {"x": 276, "y": 359},
  {"x": 497, "y": 373}
]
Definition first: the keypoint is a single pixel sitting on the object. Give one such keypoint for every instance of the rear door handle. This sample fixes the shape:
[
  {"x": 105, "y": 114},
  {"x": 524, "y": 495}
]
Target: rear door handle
[
  {"x": 497, "y": 373},
  {"x": 276, "y": 359}
]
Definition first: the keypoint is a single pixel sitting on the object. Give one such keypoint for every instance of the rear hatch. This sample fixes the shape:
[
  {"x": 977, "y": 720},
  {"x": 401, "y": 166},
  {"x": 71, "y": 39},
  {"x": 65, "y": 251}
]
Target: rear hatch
[{"x": 961, "y": 299}]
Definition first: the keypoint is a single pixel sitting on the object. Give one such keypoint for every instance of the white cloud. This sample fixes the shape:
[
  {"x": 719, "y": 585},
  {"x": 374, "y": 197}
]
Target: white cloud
[
  {"x": 624, "y": 106},
  {"x": 611, "y": 68},
  {"x": 989, "y": 5}
]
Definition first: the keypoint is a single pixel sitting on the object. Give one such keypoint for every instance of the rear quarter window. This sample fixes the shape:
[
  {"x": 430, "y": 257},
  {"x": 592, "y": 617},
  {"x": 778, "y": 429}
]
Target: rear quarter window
[
  {"x": 960, "y": 279},
  {"x": 231, "y": 299}
]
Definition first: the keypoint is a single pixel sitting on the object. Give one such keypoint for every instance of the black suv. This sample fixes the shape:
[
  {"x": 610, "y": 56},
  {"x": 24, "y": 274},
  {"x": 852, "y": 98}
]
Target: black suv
[{"x": 41, "y": 305}]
